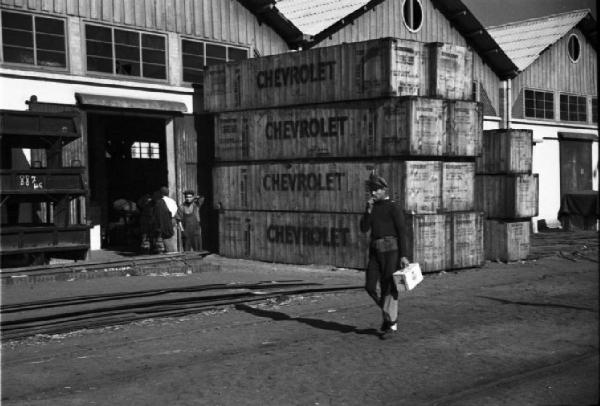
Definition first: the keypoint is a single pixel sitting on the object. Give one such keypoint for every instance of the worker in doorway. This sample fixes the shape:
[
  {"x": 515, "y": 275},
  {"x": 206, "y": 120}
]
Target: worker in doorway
[
  {"x": 383, "y": 217},
  {"x": 165, "y": 212},
  {"x": 188, "y": 220}
]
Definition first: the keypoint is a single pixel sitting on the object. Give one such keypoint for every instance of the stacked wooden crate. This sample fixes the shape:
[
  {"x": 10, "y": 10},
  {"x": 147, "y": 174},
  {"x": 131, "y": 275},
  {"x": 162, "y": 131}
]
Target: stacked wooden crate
[
  {"x": 297, "y": 135},
  {"x": 507, "y": 191}
]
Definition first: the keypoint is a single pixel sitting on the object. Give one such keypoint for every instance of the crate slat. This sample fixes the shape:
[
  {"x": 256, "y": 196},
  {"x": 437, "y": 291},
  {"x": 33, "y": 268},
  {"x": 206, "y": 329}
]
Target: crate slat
[
  {"x": 458, "y": 186},
  {"x": 466, "y": 240},
  {"x": 506, "y": 151},
  {"x": 507, "y": 240},
  {"x": 507, "y": 196}
]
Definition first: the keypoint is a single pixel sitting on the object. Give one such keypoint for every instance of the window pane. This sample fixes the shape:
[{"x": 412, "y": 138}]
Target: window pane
[
  {"x": 153, "y": 56},
  {"x": 99, "y": 49},
  {"x": 193, "y": 76},
  {"x": 17, "y": 20},
  {"x": 549, "y": 114},
  {"x": 49, "y": 25},
  {"x": 153, "y": 41},
  {"x": 18, "y": 55},
  {"x": 18, "y": 38},
  {"x": 98, "y": 33},
  {"x": 127, "y": 37},
  {"x": 99, "y": 64},
  {"x": 212, "y": 61},
  {"x": 50, "y": 42},
  {"x": 155, "y": 71},
  {"x": 51, "y": 58},
  {"x": 127, "y": 68},
  {"x": 127, "y": 53},
  {"x": 196, "y": 62},
  {"x": 236, "y": 54},
  {"x": 192, "y": 47},
  {"x": 216, "y": 51}
]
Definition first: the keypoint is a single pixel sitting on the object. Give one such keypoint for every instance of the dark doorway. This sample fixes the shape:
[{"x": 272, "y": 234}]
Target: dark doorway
[
  {"x": 575, "y": 165},
  {"x": 127, "y": 157}
]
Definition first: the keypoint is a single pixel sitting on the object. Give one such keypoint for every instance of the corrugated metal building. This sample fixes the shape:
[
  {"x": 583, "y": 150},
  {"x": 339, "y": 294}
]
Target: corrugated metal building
[
  {"x": 131, "y": 69},
  {"x": 555, "y": 95},
  {"x": 549, "y": 61}
]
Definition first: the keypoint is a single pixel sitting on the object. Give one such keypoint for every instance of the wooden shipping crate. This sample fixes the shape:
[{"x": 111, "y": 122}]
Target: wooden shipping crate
[
  {"x": 506, "y": 151},
  {"x": 412, "y": 126},
  {"x": 458, "y": 186},
  {"x": 425, "y": 241},
  {"x": 465, "y": 248},
  {"x": 450, "y": 72},
  {"x": 325, "y": 187},
  {"x": 464, "y": 129},
  {"x": 507, "y": 196},
  {"x": 506, "y": 240},
  {"x": 294, "y": 238}
]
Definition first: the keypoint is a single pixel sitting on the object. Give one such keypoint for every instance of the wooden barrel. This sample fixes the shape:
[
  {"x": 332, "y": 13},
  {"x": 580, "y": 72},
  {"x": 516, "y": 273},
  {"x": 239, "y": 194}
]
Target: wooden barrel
[
  {"x": 425, "y": 241},
  {"x": 327, "y": 187},
  {"x": 458, "y": 186},
  {"x": 353, "y": 71},
  {"x": 464, "y": 129},
  {"x": 450, "y": 72},
  {"x": 506, "y": 151},
  {"x": 413, "y": 126},
  {"x": 294, "y": 237},
  {"x": 506, "y": 240},
  {"x": 507, "y": 196},
  {"x": 465, "y": 249}
]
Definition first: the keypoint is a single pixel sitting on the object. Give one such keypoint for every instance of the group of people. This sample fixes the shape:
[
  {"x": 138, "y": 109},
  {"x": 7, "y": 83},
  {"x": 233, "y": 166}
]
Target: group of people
[{"x": 161, "y": 217}]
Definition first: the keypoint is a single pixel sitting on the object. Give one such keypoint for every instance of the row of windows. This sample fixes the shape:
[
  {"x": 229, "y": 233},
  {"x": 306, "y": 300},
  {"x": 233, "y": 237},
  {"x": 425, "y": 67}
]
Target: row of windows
[
  {"x": 41, "y": 41},
  {"x": 540, "y": 104}
]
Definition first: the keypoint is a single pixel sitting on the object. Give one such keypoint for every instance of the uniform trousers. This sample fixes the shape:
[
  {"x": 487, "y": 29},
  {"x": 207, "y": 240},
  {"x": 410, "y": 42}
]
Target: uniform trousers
[{"x": 380, "y": 269}]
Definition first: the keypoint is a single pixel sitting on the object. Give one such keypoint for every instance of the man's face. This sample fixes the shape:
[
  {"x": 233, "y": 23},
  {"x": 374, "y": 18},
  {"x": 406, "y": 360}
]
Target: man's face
[
  {"x": 379, "y": 194},
  {"x": 188, "y": 198}
]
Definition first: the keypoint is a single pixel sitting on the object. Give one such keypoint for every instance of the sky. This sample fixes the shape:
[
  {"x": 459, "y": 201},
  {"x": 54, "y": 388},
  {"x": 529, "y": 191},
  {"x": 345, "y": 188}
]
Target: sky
[{"x": 496, "y": 12}]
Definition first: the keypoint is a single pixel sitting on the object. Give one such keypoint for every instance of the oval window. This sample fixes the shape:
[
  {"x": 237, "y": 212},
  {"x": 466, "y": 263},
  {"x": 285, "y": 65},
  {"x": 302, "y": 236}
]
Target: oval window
[
  {"x": 574, "y": 48},
  {"x": 412, "y": 13}
]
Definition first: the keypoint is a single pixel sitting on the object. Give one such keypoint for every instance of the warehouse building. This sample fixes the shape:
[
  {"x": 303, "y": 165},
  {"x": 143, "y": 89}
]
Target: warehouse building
[
  {"x": 555, "y": 95},
  {"x": 130, "y": 70},
  {"x": 539, "y": 74}
]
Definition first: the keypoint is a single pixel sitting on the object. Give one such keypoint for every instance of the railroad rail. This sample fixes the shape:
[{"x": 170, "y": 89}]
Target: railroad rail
[{"x": 93, "y": 311}]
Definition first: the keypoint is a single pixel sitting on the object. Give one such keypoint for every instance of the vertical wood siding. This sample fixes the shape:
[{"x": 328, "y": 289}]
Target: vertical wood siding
[
  {"x": 385, "y": 20},
  {"x": 219, "y": 20},
  {"x": 554, "y": 71}
]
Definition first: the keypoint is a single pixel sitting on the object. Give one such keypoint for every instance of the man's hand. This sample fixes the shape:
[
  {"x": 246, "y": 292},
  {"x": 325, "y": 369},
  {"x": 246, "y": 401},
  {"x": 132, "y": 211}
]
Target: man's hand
[
  {"x": 404, "y": 262},
  {"x": 370, "y": 203}
]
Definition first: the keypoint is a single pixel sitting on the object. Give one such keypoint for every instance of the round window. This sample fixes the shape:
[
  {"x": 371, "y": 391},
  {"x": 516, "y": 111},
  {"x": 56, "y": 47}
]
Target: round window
[
  {"x": 574, "y": 48},
  {"x": 412, "y": 13}
]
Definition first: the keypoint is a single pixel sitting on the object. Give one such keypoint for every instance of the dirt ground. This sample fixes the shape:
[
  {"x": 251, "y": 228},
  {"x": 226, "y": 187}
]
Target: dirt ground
[{"x": 524, "y": 333}]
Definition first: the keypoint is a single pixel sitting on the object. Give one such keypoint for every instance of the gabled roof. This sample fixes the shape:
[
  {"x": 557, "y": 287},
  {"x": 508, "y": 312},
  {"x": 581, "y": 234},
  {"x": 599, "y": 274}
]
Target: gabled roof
[
  {"x": 524, "y": 41},
  {"x": 266, "y": 12},
  {"x": 322, "y": 18},
  {"x": 313, "y": 16}
]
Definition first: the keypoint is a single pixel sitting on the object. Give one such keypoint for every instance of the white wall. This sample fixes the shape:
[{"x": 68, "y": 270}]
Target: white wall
[
  {"x": 15, "y": 91},
  {"x": 546, "y": 163}
]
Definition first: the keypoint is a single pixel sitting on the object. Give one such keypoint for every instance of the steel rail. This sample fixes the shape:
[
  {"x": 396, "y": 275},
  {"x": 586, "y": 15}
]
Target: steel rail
[{"x": 122, "y": 314}]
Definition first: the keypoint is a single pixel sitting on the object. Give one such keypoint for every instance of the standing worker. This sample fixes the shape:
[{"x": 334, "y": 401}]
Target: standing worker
[
  {"x": 188, "y": 219},
  {"x": 383, "y": 217},
  {"x": 166, "y": 209}
]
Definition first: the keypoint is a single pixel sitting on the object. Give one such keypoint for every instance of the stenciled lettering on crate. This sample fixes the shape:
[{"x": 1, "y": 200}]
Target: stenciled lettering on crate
[
  {"x": 507, "y": 240},
  {"x": 325, "y": 187},
  {"x": 466, "y": 240},
  {"x": 458, "y": 186},
  {"x": 464, "y": 129},
  {"x": 354, "y": 71},
  {"x": 507, "y": 196},
  {"x": 407, "y": 126},
  {"x": 293, "y": 237}
]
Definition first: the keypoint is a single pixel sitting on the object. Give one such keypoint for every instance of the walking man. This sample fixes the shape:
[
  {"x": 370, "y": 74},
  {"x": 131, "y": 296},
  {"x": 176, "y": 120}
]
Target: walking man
[{"x": 383, "y": 217}]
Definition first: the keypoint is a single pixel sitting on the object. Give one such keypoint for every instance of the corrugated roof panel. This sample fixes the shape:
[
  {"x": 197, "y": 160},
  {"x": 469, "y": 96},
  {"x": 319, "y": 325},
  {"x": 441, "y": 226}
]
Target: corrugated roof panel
[
  {"x": 524, "y": 41},
  {"x": 313, "y": 16}
]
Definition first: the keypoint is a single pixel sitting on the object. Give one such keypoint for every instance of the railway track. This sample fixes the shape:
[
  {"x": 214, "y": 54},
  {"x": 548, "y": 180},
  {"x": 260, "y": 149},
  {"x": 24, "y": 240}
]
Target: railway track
[{"x": 92, "y": 311}]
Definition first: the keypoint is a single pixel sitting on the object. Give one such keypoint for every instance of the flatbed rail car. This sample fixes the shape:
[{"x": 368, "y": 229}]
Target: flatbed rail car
[{"x": 41, "y": 206}]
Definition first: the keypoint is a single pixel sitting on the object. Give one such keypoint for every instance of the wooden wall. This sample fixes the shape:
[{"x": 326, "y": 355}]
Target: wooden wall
[
  {"x": 217, "y": 20},
  {"x": 554, "y": 71},
  {"x": 385, "y": 20}
]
